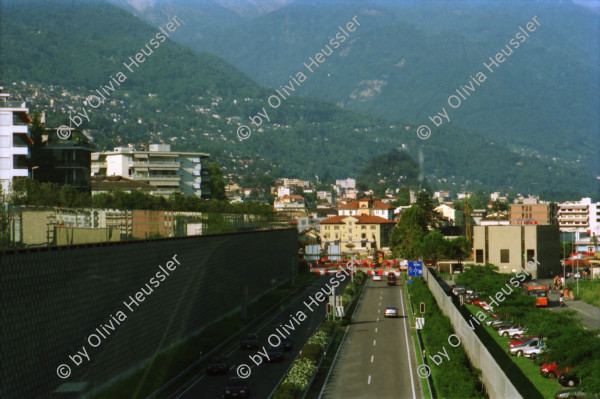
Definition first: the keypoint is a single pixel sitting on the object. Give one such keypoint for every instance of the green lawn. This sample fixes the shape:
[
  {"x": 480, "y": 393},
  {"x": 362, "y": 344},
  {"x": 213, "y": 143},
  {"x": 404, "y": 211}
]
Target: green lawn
[
  {"x": 547, "y": 387},
  {"x": 589, "y": 291}
]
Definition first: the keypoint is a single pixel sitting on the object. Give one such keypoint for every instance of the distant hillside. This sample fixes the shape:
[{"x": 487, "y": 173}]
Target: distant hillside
[
  {"x": 195, "y": 101},
  {"x": 391, "y": 170},
  {"x": 408, "y": 57}
]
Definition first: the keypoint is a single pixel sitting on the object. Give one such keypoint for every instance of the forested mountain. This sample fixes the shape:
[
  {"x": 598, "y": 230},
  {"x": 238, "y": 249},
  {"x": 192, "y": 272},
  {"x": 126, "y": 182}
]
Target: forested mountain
[
  {"x": 69, "y": 49},
  {"x": 407, "y": 57}
]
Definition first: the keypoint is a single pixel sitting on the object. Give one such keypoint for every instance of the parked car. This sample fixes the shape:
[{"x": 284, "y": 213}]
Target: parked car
[
  {"x": 511, "y": 330},
  {"x": 575, "y": 394},
  {"x": 275, "y": 353},
  {"x": 533, "y": 351},
  {"x": 217, "y": 365},
  {"x": 391, "y": 311},
  {"x": 519, "y": 341},
  {"x": 493, "y": 322},
  {"x": 551, "y": 370},
  {"x": 250, "y": 341},
  {"x": 520, "y": 350},
  {"x": 471, "y": 297},
  {"x": 236, "y": 388},
  {"x": 502, "y": 324},
  {"x": 568, "y": 380}
]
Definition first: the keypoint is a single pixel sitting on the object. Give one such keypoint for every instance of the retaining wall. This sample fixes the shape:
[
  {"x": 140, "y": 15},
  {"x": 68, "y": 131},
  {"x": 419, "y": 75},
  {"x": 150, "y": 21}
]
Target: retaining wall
[{"x": 53, "y": 299}]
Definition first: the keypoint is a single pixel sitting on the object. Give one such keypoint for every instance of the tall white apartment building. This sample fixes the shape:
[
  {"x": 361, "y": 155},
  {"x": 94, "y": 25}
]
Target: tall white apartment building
[
  {"x": 580, "y": 217},
  {"x": 14, "y": 140},
  {"x": 346, "y": 183},
  {"x": 160, "y": 167}
]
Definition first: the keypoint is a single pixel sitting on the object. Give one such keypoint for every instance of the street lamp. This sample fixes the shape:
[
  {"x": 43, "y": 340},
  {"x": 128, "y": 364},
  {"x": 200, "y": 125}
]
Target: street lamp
[{"x": 32, "y": 169}]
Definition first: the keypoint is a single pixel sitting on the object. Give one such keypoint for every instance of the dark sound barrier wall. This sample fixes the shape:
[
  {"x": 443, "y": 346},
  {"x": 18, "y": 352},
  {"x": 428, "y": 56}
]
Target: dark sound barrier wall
[{"x": 61, "y": 305}]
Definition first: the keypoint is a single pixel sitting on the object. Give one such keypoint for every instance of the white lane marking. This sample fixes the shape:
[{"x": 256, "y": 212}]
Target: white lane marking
[
  {"x": 378, "y": 320},
  {"x": 374, "y": 342},
  {"x": 375, "y": 329},
  {"x": 412, "y": 381},
  {"x": 379, "y": 303},
  {"x": 582, "y": 312},
  {"x": 369, "y": 380},
  {"x": 378, "y": 310},
  {"x": 372, "y": 356}
]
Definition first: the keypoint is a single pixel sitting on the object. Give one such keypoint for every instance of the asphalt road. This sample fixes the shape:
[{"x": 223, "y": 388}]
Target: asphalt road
[
  {"x": 589, "y": 314},
  {"x": 374, "y": 360},
  {"x": 265, "y": 376}
]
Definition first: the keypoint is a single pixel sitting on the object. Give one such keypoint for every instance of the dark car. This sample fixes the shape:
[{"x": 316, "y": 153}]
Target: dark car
[
  {"x": 568, "y": 380},
  {"x": 275, "y": 354},
  {"x": 391, "y": 280},
  {"x": 217, "y": 365},
  {"x": 287, "y": 344},
  {"x": 236, "y": 388},
  {"x": 250, "y": 341}
]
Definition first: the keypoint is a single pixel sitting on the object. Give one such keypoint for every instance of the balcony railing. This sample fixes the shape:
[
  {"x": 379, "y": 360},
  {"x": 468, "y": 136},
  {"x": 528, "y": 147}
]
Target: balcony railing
[
  {"x": 13, "y": 104},
  {"x": 155, "y": 164},
  {"x": 154, "y": 177}
]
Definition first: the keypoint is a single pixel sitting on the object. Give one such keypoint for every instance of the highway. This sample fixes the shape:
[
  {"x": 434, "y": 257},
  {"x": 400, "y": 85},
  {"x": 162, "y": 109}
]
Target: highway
[
  {"x": 376, "y": 359},
  {"x": 265, "y": 376}
]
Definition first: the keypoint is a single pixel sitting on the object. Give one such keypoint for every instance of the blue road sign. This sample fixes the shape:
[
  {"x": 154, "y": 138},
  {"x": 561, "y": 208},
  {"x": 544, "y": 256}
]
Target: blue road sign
[
  {"x": 415, "y": 268},
  {"x": 409, "y": 282}
]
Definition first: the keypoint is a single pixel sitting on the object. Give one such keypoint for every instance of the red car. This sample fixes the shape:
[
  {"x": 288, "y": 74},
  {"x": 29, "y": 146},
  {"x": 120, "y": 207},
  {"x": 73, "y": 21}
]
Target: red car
[
  {"x": 551, "y": 370},
  {"x": 518, "y": 341}
]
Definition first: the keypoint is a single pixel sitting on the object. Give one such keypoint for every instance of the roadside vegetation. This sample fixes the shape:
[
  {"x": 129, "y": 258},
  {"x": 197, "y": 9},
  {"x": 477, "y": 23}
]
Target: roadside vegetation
[
  {"x": 567, "y": 342},
  {"x": 306, "y": 372},
  {"x": 589, "y": 291},
  {"x": 454, "y": 378}
]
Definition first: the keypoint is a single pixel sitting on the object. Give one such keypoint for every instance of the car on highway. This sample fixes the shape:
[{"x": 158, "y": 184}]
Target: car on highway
[
  {"x": 250, "y": 341},
  {"x": 275, "y": 353},
  {"x": 236, "y": 387},
  {"x": 391, "y": 311},
  {"x": 217, "y": 365},
  {"x": 568, "y": 380},
  {"x": 287, "y": 344},
  {"x": 391, "y": 279},
  {"x": 376, "y": 277},
  {"x": 511, "y": 331},
  {"x": 520, "y": 350}
]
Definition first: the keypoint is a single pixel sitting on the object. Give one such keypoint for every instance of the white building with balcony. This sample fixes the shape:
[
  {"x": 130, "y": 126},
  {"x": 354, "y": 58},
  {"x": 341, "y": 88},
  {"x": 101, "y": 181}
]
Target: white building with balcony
[
  {"x": 580, "y": 217},
  {"x": 160, "y": 167},
  {"x": 14, "y": 140}
]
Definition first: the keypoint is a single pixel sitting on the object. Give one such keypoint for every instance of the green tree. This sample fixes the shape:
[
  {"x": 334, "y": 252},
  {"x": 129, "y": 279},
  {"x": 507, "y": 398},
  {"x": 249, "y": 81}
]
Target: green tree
[
  {"x": 408, "y": 234},
  {"x": 216, "y": 183},
  {"x": 459, "y": 248},
  {"x": 434, "y": 246}
]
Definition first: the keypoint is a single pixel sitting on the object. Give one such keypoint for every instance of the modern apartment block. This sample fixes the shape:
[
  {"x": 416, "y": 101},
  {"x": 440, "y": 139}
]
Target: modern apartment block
[
  {"x": 167, "y": 170},
  {"x": 580, "y": 217},
  {"x": 14, "y": 140},
  {"x": 511, "y": 247}
]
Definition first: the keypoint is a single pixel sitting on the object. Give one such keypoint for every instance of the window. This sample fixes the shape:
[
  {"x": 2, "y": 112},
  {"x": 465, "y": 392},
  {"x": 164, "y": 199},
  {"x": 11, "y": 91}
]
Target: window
[
  {"x": 363, "y": 236},
  {"x": 336, "y": 227},
  {"x": 372, "y": 227},
  {"x": 530, "y": 255},
  {"x": 363, "y": 227},
  {"x": 479, "y": 256},
  {"x": 504, "y": 256}
]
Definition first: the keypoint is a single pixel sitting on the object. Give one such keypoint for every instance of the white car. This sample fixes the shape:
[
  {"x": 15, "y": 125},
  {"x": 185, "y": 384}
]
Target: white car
[
  {"x": 510, "y": 331},
  {"x": 391, "y": 311},
  {"x": 376, "y": 277}
]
